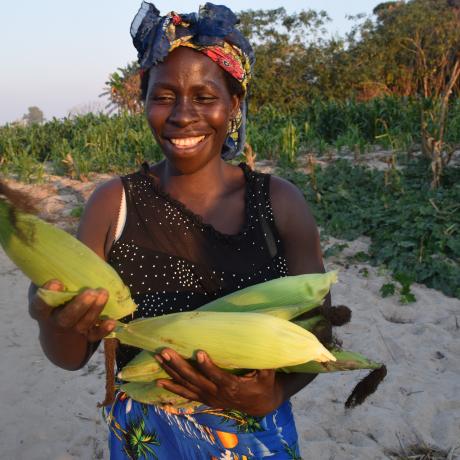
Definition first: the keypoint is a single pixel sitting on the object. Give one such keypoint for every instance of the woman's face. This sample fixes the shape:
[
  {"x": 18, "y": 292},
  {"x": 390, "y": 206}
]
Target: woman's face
[{"x": 188, "y": 108}]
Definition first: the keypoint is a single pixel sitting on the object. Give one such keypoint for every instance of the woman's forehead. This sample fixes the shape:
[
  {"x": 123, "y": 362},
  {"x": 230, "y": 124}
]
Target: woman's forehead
[{"x": 187, "y": 64}]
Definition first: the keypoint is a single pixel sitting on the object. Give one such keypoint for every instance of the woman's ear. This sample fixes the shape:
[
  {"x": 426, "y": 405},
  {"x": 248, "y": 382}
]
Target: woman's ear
[{"x": 236, "y": 105}]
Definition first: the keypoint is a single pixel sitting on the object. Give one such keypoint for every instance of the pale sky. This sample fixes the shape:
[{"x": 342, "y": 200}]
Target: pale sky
[{"x": 57, "y": 55}]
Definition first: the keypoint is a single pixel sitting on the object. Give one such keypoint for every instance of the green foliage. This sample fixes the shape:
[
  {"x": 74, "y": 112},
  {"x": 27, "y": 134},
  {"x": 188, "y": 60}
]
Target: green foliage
[
  {"x": 405, "y": 281},
  {"x": 334, "y": 250},
  {"x": 387, "y": 289},
  {"x": 77, "y": 146},
  {"x": 414, "y": 231},
  {"x": 77, "y": 211}
]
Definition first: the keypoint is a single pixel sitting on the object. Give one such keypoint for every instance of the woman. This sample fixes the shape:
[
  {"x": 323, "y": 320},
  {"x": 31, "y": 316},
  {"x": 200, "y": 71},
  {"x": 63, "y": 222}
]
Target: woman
[{"x": 183, "y": 232}]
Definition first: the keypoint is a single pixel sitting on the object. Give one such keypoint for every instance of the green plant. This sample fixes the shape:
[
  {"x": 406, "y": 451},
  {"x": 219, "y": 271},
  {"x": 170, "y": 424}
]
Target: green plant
[
  {"x": 387, "y": 289},
  {"x": 414, "y": 230}
]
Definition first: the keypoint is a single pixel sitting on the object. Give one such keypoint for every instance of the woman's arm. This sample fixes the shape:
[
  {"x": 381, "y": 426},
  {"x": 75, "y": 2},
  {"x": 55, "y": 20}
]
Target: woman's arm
[
  {"x": 70, "y": 334},
  {"x": 300, "y": 238}
]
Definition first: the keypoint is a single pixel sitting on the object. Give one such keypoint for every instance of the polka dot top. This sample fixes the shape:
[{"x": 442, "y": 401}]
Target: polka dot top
[{"x": 172, "y": 261}]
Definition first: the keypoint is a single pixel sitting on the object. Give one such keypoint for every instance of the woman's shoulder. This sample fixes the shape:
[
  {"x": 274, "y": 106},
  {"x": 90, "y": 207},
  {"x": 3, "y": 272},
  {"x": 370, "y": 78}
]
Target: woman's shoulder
[
  {"x": 107, "y": 194},
  {"x": 99, "y": 218},
  {"x": 290, "y": 209},
  {"x": 285, "y": 195}
]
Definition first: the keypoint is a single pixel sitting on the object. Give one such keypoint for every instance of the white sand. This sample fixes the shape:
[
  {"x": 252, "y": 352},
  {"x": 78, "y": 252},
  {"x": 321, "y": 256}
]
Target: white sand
[{"x": 50, "y": 414}]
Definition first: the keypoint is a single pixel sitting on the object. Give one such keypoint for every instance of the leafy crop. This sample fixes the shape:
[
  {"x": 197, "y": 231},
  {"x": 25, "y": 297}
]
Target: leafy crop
[{"x": 415, "y": 231}]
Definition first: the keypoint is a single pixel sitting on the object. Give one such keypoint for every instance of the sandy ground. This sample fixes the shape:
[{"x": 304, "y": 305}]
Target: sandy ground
[{"x": 51, "y": 414}]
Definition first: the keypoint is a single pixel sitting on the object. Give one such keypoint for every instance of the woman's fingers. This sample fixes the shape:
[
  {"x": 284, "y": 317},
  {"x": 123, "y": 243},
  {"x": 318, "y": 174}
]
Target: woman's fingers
[
  {"x": 212, "y": 372},
  {"x": 178, "y": 389},
  {"x": 67, "y": 316},
  {"x": 183, "y": 372},
  {"x": 80, "y": 315},
  {"x": 90, "y": 318},
  {"x": 38, "y": 308},
  {"x": 99, "y": 331}
]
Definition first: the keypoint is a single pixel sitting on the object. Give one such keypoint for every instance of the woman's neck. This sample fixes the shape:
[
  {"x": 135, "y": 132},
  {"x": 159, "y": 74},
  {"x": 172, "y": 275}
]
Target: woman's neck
[{"x": 204, "y": 185}]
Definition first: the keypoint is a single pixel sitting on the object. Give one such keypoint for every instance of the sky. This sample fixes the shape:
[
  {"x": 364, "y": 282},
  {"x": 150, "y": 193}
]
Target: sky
[{"x": 57, "y": 55}]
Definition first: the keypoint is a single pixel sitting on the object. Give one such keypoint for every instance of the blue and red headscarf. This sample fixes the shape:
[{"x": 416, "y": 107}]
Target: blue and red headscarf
[{"x": 212, "y": 31}]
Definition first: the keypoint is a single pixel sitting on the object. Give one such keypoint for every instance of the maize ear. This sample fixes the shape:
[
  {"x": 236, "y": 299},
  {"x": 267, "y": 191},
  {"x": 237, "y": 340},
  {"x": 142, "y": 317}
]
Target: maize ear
[
  {"x": 149, "y": 393},
  {"x": 44, "y": 252},
  {"x": 299, "y": 293},
  {"x": 144, "y": 367},
  {"x": 228, "y": 338}
]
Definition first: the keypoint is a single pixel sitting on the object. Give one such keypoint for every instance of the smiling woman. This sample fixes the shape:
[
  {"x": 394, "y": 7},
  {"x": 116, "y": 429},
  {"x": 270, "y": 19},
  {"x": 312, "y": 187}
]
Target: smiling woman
[
  {"x": 185, "y": 231},
  {"x": 189, "y": 109}
]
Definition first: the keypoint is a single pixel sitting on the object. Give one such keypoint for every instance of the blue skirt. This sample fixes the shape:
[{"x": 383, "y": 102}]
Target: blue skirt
[{"x": 142, "y": 431}]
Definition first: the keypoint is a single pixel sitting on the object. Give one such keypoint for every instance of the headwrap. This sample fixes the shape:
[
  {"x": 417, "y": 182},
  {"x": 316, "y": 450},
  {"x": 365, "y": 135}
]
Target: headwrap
[{"x": 212, "y": 32}]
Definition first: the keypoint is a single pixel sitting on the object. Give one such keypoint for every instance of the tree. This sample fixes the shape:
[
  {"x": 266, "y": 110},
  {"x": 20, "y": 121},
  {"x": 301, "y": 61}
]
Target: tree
[
  {"x": 413, "y": 49},
  {"x": 33, "y": 116},
  {"x": 123, "y": 89},
  {"x": 289, "y": 50}
]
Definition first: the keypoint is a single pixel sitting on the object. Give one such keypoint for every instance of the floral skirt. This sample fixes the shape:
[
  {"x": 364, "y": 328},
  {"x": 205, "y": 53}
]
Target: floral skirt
[{"x": 142, "y": 431}]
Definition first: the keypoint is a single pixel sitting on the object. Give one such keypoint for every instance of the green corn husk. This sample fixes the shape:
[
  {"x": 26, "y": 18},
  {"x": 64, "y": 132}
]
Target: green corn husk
[
  {"x": 310, "y": 323},
  {"x": 294, "y": 293},
  {"x": 228, "y": 338},
  {"x": 144, "y": 367},
  {"x": 345, "y": 361},
  {"x": 149, "y": 393},
  {"x": 44, "y": 252}
]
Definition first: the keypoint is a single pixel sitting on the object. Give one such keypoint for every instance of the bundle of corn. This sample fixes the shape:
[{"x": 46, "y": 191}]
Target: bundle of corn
[
  {"x": 283, "y": 298},
  {"x": 140, "y": 373},
  {"x": 229, "y": 338},
  {"x": 44, "y": 252}
]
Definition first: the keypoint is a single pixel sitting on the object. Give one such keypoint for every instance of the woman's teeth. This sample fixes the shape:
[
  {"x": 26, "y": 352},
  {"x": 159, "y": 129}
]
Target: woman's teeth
[{"x": 187, "y": 142}]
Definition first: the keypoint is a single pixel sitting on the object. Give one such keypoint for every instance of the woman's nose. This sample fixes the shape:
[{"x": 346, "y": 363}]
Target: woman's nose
[{"x": 183, "y": 112}]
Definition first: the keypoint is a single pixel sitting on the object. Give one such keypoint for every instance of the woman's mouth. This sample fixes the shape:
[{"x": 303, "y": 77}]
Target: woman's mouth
[{"x": 186, "y": 142}]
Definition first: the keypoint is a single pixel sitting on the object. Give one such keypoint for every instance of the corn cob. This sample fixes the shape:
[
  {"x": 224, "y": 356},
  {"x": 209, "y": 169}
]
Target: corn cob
[
  {"x": 228, "y": 338},
  {"x": 44, "y": 252},
  {"x": 144, "y": 367},
  {"x": 149, "y": 393},
  {"x": 300, "y": 293}
]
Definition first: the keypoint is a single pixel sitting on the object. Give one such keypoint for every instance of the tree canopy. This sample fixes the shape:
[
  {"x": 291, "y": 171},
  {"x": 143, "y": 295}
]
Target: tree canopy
[{"x": 404, "y": 48}]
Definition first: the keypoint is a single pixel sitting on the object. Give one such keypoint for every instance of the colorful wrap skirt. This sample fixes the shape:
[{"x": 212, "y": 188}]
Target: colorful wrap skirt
[{"x": 142, "y": 431}]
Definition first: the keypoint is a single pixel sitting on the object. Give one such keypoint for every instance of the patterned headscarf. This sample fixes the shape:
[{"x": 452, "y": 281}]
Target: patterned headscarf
[{"x": 212, "y": 32}]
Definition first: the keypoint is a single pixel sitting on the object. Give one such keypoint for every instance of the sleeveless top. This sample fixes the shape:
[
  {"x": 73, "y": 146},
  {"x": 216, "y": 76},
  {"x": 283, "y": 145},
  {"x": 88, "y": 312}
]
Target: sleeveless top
[{"x": 172, "y": 261}]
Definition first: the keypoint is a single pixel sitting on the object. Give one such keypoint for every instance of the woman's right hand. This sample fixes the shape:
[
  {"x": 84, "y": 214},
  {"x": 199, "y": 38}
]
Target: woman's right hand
[{"x": 80, "y": 315}]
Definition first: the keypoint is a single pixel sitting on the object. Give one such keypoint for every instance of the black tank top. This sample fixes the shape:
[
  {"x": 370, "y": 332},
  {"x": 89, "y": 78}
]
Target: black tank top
[{"x": 173, "y": 262}]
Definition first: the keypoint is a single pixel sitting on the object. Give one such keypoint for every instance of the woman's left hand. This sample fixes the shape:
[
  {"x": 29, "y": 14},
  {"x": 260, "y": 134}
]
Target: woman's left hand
[{"x": 256, "y": 393}]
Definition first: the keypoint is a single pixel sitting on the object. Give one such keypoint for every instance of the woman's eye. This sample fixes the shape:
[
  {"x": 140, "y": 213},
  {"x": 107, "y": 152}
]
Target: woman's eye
[
  {"x": 205, "y": 98},
  {"x": 162, "y": 98}
]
